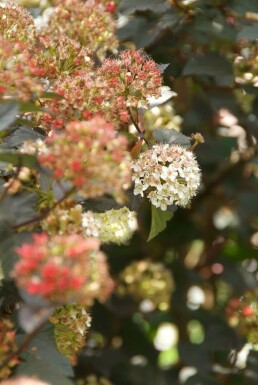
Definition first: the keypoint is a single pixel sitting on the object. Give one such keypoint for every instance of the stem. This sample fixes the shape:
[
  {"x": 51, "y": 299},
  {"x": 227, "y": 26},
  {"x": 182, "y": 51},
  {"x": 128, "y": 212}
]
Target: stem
[
  {"x": 45, "y": 214},
  {"x": 136, "y": 125}
]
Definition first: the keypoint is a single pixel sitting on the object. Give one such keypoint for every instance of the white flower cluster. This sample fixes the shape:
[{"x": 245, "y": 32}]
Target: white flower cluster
[
  {"x": 166, "y": 175},
  {"x": 112, "y": 226}
]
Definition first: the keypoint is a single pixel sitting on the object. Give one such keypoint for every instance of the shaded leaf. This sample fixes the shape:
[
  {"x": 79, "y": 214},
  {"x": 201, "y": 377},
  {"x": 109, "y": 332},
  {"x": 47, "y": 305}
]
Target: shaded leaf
[
  {"x": 242, "y": 7},
  {"x": 43, "y": 349},
  {"x": 248, "y": 32},
  {"x": 19, "y": 207},
  {"x": 141, "y": 30},
  {"x": 44, "y": 371},
  {"x": 131, "y": 6},
  {"x": 201, "y": 379},
  {"x": 171, "y": 136},
  {"x": 101, "y": 204},
  {"x": 8, "y": 112},
  {"x": 19, "y": 136},
  {"x": 210, "y": 64},
  {"x": 8, "y": 243},
  {"x": 159, "y": 221},
  {"x": 30, "y": 317},
  {"x": 194, "y": 355}
]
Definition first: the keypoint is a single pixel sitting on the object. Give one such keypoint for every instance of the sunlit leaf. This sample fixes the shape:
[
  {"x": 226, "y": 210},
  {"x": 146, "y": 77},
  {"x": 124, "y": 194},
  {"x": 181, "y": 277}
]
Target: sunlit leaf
[{"x": 159, "y": 221}]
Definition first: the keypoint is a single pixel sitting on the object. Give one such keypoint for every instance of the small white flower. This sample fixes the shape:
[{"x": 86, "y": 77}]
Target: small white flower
[{"x": 168, "y": 174}]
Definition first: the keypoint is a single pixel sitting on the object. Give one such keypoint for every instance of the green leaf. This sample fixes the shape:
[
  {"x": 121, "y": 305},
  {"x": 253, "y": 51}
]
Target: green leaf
[
  {"x": 159, "y": 219},
  {"x": 210, "y": 64},
  {"x": 51, "y": 95},
  {"x": 171, "y": 136},
  {"x": 30, "y": 107},
  {"x": 18, "y": 159},
  {"x": 8, "y": 112}
]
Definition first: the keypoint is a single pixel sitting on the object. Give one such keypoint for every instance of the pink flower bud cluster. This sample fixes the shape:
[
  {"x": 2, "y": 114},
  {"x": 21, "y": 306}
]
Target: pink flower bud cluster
[
  {"x": 166, "y": 175},
  {"x": 84, "y": 93},
  {"x": 133, "y": 75},
  {"x": 7, "y": 346},
  {"x": 107, "y": 91},
  {"x": 92, "y": 156},
  {"x": 63, "y": 269}
]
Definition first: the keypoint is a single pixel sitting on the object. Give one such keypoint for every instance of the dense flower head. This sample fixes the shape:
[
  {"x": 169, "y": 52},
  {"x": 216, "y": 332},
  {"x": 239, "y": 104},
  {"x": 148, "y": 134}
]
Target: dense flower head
[
  {"x": 61, "y": 54},
  {"x": 166, "y": 175},
  {"x": 112, "y": 226},
  {"x": 91, "y": 156},
  {"x": 7, "y": 346},
  {"x": 71, "y": 324},
  {"x": 63, "y": 269},
  {"x": 17, "y": 24},
  {"x": 19, "y": 74},
  {"x": 88, "y": 22},
  {"x": 146, "y": 280},
  {"x": 133, "y": 75},
  {"x": 83, "y": 94}
]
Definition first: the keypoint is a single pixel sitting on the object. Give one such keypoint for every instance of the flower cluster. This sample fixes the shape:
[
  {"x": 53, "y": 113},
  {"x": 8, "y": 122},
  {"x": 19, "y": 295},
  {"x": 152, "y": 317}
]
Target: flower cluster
[
  {"x": 166, "y": 175},
  {"x": 17, "y": 25},
  {"x": 242, "y": 313},
  {"x": 61, "y": 55},
  {"x": 88, "y": 22},
  {"x": 83, "y": 95},
  {"x": 8, "y": 345},
  {"x": 147, "y": 281},
  {"x": 107, "y": 91},
  {"x": 64, "y": 221},
  {"x": 91, "y": 156},
  {"x": 63, "y": 269},
  {"x": 134, "y": 76},
  {"x": 112, "y": 226},
  {"x": 19, "y": 74},
  {"x": 71, "y": 325}
]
